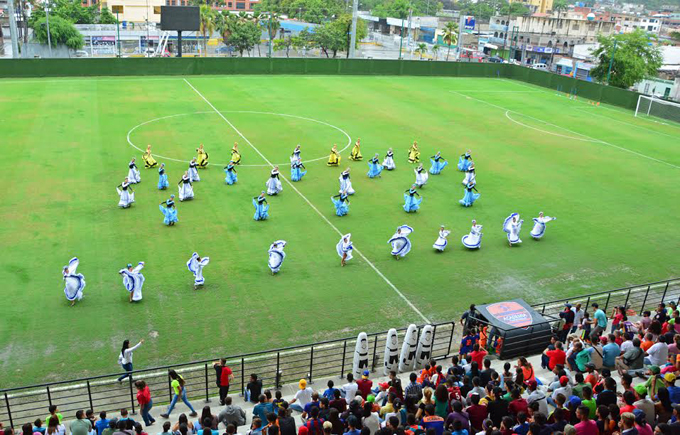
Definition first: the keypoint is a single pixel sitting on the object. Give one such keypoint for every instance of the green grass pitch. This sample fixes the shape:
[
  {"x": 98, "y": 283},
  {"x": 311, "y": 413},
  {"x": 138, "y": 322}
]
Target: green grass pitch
[{"x": 610, "y": 178}]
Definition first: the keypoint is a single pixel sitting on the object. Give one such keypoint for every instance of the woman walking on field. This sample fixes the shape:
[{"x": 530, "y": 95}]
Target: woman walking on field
[
  {"x": 125, "y": 357},
  {"x": 178, "y": 386}
]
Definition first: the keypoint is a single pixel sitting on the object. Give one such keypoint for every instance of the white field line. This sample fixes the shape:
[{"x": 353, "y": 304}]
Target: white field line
[
  {"x": 349, "y": 139},
  {"x": 507, "y": 115},
  {"x": 292, "y": 186},
  {"x": 38, "y": 80},
  {"x": 629, "y": 124},
  {"x": 594, "y": 140},
  {"x": 497, "y": 92}
]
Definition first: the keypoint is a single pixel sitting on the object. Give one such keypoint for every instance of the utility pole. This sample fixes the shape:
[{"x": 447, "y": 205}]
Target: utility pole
[
  {"x": 461, "y": 26},
  {"x": 269, "y": 31},
  {"x": 401, "y": 41},
  {"x": 409, "y": 40},
  {"x": 353, "y": 35},
  {"x": 13, "y": 29},
  {"x": 611, "y": 62},
  {"x": 47, "y": 20},
  {"x": 118, "y": 32}
]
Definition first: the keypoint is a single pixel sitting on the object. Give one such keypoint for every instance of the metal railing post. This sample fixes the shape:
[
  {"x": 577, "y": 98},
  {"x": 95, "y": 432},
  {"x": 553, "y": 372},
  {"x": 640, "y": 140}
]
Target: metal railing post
[
  {"x": 434, "y": 334},
  {"x": 587, "y": 304},
  {"x": 375, "y": 348},
  {"x": 169, "y": 387},
  {"x": 344, "y": 352},
  {"x": 453, "y": 328},
  {"x": 625, "y": 304},
  {"x": 606, "y": 305},
  {"x": 89, "y": 395},
  {"x": 278, "y": 371},
  {"x": 243, "y": 375},
  {"x": 311, "y": 365},
  {"x": 132, "y": 395},
  {"x": 9, "y": 411},
  {"x": 543, "y": 310},
  {"x": 663, "y": 298},
  {"x": 207, "y": 399},
  {"x": 49, "y": 396},
  {"x": 644, "y": 301}
]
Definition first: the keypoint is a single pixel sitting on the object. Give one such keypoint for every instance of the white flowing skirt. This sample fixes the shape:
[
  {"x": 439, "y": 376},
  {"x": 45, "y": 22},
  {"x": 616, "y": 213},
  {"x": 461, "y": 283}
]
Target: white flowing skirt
[
  {"x": 134, "y": 284},
  {"x": 126, "y": 198},
  {"x": 134, "y": 176},
  {"x": 276, "y": 259},
  {"x": 470, "y": 177},
  {"x": 400, "y": 246},
  {"x": 274, "y": 186},
  {"x": 193, "y": 175},
  {"x": 186, "y": 191},
  {"x": 388, "y": 163},
  {"x": 421, "y": 178},
  {"x": 341, "y": 251},
  {"x": 538, "y": 230},
  {"x": 73, "y": 287},
  {"x": 346, "y": 185},
  {"x": 472, "y": 240},
  {"x": 440, "y": 244}
]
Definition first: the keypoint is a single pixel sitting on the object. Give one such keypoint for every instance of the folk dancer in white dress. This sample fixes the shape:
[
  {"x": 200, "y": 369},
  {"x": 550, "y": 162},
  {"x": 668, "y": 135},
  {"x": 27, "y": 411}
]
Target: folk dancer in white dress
[
  {"x": 388, "y": 163},
  {"x": 274, "y": 186},
  {"x": 126, "y": 194},
  {"x": 470, "y": 175},
  {"x": 134, "y": 176},
  {"x": 344, "y": 248},
  {"x": 74, "y": 283},
  {"x": 133, "y": 280},
  {"x": 464, "y": 161},
  {"x": 193, "y": 171},
  {"x": 401, "y": 245},
  {"x": 345, "y": 183},
  {"x": 421, "y": 176},
  {"x": 474, "y": 239},
  {"x": 296, "y": 154},
  {"x": 276, "y": 255},
  {"x": 374, "y": 167},
  {"x": 441, "y": 241},
  {"x": 539, "y": 225},
  {"x": 186, "y": 189},
  {"x": 513, "y": 225},
  {"x": 195, "y": 266}
]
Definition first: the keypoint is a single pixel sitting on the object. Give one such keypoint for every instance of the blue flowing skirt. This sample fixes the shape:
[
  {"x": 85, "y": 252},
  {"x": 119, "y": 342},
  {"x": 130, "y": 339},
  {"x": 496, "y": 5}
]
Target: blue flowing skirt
[
  {"x": 261, "y": 211},
  {"x": 411, "y": 203},
  {"x": 163, "y": 182},
  {"x": 464, "y": 164},
  {"x": 374, "y": 170},
  {"x": 169, "y": 214},
  {"x": 341, "y": 207},
  {"x": 469, "y": 198},
  {"x": 297, "y": 174},
  {"x": 231, "y": 177},
  {"x": 437, "y": 166}
]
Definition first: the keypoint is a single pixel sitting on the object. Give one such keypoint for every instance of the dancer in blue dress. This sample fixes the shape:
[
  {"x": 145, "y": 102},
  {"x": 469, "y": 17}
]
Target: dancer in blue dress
[
  {"x": 296, "y": 172},
  {"x": 438, "y": 163},
  {"x": 513, "y": 225},
  {"x": 341, "y": 203},
  {"x": 169, "y": 211},
  {"x": 276, "y": 255},
  {"x": 411, "y": 203},
  {"x": 162, "y": 178},
  {"x": 469, "y": 198},
  {"x": 261, "y": 207},
  {"x": 230, "y": 170},
  {"x": 74, "y": 283},
  {"x": 464, "y": 161},
  {"x": 401, "y": 245},
  {"x": 374, "y": 167}
]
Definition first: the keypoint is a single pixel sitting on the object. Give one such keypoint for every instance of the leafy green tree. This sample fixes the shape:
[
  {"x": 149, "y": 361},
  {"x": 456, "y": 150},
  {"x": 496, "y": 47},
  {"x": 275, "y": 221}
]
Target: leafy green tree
[
  {"x": 106, "y": 17},
  {"x": 334, "y": 36},
  {"x": 633, "y": 59},
  {"x": 435, "y": 51},
  {"x": 450, "y": 36},
  {"x": 270, "y": 22},
  {"x": 243, "y": 36},
  {"x": 303, "y": 40},
  {"x": 62, "y": 31},
  {"x": 675, "y": 36},
  {"x": 207, "y": 25},
  {"x": 560, "y": 6},
  {"x": 283, "y": 44},
  {"x": 422, "y": 49}
]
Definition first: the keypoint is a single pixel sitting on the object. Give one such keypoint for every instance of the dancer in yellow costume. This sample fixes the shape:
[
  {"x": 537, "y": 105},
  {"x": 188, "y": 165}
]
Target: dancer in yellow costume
[
  {"x": 334, "y": 158},
  {"x": 149, "y": 161},
  {"x": 235, "y": 155},
  {"x": 356, "y": 151},
  {"x": 201, "y": 157},
  {"x": 414, "y": 153}
]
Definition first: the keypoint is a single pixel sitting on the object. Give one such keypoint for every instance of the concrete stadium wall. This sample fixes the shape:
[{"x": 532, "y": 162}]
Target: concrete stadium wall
[{"x": 23, "y": 68}]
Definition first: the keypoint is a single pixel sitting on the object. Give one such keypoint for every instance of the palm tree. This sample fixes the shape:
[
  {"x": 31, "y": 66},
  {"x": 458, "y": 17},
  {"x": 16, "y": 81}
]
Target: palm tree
[
  {"x": 450, "y": 36},
  {"x": 435, "y": 50},
  {"x": 272, "y": 24},
  {"x": 422, "y": 49},
  {"x": 207, "y": 17}
]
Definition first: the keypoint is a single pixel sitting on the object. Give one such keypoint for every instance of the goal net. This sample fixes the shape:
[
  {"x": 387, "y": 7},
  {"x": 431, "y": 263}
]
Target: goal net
[{"x": 657, "y": 108}]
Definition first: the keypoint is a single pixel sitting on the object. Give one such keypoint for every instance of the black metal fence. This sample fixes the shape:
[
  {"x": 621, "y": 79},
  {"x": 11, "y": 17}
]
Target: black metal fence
[{"x": 275, "y": 367}]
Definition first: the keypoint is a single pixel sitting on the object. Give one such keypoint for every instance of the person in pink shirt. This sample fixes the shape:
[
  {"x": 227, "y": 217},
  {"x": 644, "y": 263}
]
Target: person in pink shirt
[{"x": 586, "y": 426}]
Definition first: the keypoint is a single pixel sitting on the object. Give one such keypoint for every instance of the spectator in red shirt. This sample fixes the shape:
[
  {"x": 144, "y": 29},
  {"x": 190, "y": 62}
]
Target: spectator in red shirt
[
  {"x": 478, "y": 354},
  {"x": 477, "y": 413},
  {"x": 517, "y": 404},
  {"x": 364, "y": 385},
  {"x": 556, "y": 356},
  {"x": 145, "y": 402},
  {"x": 586, "y": 426},
  {"x": 224, "y": 376}
]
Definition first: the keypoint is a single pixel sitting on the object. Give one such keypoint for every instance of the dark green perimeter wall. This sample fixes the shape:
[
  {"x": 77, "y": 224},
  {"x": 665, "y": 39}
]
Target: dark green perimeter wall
[{"x": 23, "y": 68}]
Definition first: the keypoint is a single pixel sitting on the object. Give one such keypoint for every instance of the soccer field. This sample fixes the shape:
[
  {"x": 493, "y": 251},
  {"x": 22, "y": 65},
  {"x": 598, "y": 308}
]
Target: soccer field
[{"x": 611, "y": 180}]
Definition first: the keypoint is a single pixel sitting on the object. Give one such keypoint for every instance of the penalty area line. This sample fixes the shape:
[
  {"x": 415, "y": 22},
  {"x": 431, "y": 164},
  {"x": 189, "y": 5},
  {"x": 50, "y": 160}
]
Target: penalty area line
[{"x": 292, "y": 186}]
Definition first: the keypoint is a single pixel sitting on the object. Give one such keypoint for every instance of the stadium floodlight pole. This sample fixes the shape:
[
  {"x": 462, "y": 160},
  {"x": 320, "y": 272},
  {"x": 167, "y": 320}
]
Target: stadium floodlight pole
[
  {"x": 118, "y": 31},
  {"x": 401, "y": 41},
  {"x": 611, "y": 62},
  {"x": 353, "y": 36},
  {"x": 47, "y": 20},
  {"x": 269, "y": 30},
  {"x": 13, "y": 29},
  {"x": 461, "y": 26}
]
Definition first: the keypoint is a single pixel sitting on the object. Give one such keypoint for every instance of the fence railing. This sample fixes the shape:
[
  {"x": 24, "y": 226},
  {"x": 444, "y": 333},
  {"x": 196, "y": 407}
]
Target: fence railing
[{"x": 276, "y": 367}]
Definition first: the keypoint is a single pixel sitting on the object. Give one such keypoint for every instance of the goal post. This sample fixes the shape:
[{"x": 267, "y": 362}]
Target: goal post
[{"x": 657, "y": 108}]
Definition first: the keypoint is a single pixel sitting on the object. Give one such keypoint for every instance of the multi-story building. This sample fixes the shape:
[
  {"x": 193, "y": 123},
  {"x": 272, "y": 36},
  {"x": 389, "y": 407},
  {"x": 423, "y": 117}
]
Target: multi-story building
[
  {"x": 135, "y": 11},
  {"x": 540, "y": 6}
]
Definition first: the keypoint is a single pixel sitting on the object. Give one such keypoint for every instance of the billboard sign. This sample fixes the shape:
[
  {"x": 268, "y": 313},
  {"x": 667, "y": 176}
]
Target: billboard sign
[{"x": 469, "y": 22}]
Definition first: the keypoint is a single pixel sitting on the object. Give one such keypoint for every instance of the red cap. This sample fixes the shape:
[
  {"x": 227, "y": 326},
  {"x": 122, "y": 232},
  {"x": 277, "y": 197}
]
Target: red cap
[
  {"x": 384, "y": 385},
  {"x": 564, "y": 380},
  {"x": 532, "y": 383}
]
